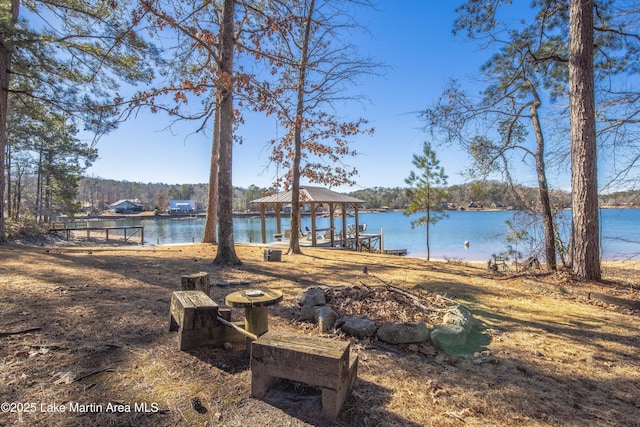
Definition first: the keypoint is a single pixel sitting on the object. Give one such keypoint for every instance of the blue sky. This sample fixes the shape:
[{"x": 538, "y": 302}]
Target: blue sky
[{"x": 412, "y": 38}]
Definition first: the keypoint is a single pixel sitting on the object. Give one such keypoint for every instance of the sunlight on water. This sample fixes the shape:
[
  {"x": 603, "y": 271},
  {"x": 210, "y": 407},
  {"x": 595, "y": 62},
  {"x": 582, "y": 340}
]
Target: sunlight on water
[{"x": 484, "y": 230}]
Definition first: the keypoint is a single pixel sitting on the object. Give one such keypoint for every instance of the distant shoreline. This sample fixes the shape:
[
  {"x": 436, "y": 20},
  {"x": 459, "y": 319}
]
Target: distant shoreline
[{"x": 150, "y": 215}]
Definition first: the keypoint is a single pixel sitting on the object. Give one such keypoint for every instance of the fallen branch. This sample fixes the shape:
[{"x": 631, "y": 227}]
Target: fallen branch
[
  {"x": 382, "y": 347},
  {"x": 376, "y": 277},
  {"x": 24, "y": 331},
  {"x": 90, "y": 374},
  {"x": 415, "y": 299},
  {"x": 454, "y": 415}
]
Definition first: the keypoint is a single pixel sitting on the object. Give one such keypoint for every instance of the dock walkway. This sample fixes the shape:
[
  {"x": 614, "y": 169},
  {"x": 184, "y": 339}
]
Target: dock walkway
[{"x": 68, "y": 227}]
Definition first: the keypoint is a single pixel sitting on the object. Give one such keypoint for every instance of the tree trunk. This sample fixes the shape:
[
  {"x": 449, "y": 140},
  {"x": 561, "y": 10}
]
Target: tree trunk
[
  {"x": 428, "y": 220},
  {"x": 294, "y": 242},
  {"x": 46, "y": 207},
  {"x": 17, "y": 195},
  {"x": 10, "y": 195},
  {"x": 39, "y": 188},
  {"x": 210, "y": 229},
  {"x": 5, "y": 72},
  {"x": 226, "y": 254},
  {"x": 543, "y": 189},
  {"x": 586, "y": 256}
]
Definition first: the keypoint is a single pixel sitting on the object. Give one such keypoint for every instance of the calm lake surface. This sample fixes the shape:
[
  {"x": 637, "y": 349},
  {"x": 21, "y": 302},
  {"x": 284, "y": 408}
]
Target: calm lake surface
[{"x": 486, "y": 232}]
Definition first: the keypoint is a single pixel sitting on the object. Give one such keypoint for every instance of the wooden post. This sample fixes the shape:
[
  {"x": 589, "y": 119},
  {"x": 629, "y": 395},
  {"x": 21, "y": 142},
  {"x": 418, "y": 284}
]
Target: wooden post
[
  {"x": 358, "y": 248},
  {"x": 344, "y": 225},
  {"x": 332, "y": 223},
  {"x": 262, "y": 223},
  {"x": 256, "y": 320},
  {"x": 313, "y": 225},
  {"x": 196, "y": 282}
]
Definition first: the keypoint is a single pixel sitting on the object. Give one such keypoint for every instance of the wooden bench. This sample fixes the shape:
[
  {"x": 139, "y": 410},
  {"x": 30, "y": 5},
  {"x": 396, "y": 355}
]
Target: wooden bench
[
  {"x": 195, "y": 316},
  {"x": 316, "y": 361}
]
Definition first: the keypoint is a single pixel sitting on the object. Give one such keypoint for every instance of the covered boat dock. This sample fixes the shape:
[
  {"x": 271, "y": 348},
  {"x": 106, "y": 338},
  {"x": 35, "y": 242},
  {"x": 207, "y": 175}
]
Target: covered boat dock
[{"x": 316, "y": 197}]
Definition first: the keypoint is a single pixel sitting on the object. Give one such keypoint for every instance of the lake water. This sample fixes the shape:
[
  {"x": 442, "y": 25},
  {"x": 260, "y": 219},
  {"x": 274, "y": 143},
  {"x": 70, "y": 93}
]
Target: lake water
[{"x": 484, "y": 230}]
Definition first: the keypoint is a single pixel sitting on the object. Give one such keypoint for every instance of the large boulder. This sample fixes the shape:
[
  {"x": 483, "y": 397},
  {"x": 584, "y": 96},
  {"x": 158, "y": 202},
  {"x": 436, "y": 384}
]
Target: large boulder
[
  {"x": 307, "y": 312},
  {"x": 403, "y": 333},
  {"x": 459, "y": 316},
  {"x": 457, "y": 325},
  {"x": 448, "y": 337},
  {"x": 358, "y": 326},
  {"x": 312, "y": 297}
]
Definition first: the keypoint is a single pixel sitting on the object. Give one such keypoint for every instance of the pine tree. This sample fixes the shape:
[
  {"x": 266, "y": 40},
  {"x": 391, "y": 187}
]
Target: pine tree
[
  {"x": 425, "y": 192},
  {"x": 70, "y": 56}
]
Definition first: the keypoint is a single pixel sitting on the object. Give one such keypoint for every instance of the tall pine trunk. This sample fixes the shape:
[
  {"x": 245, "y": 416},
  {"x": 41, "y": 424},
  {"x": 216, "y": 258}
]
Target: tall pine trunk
[
  {"x": 226, "y": 254},
  {"x": 294, "y": 242},
  {"x": 5, "y": 72},
  {"x": 210, "y": 229},
  {"x": 543, "y": 188},
  {"x": 428, "y": 220},
  {"x": 10, "y": 194},
  {"x": 584, "y": 187}
]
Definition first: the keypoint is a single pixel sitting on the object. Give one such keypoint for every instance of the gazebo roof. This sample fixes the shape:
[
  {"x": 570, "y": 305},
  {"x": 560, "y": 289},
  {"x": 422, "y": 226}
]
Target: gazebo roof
[{"x": 310, "y": 195}]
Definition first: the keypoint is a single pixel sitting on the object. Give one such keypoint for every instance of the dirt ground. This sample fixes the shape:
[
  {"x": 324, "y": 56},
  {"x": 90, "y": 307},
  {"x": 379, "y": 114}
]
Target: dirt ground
[{"x": 84, "y": 330}]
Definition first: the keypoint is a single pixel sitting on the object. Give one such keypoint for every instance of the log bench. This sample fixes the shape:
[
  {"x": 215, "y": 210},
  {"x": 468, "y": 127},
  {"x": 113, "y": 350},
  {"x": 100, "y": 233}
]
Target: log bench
[
  {"x": 195, "y": 316},
  {"x": 316, "y": 361}
]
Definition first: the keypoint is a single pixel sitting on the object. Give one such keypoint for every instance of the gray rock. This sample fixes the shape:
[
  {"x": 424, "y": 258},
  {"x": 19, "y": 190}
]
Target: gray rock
[
  {"x": 326, "y": 317},
  {"x": 358, "y": 326},
  {"x": 307, "y": 312},
  {"x": 312, "y": 296},
  {"x": 448, "y": 337},
  {"x": 459, "y": 316},
  {"x": 403, "y": 333}
]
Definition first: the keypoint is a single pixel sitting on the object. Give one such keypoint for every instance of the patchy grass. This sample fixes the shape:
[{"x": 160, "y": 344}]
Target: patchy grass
[{"x": 548, "y": 351}]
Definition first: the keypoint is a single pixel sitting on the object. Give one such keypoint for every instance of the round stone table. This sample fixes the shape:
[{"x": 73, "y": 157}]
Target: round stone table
[{"x": 255, "y": 303}]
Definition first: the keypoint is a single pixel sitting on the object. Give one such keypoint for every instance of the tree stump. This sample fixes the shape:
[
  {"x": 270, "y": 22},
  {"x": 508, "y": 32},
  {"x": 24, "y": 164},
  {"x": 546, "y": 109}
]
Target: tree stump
[{"x": 196, "y": 282}]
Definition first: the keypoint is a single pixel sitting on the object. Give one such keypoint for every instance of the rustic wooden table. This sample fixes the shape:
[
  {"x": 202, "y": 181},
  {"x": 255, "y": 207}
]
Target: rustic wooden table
[{"x": 255, "y": 303}]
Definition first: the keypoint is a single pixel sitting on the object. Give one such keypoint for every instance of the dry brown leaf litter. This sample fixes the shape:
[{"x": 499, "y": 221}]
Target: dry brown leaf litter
[{"x": 99, "y": 335}]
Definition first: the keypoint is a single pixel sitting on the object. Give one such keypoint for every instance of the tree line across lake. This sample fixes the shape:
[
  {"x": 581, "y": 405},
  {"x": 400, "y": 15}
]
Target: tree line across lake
[{"x": 95, "y": 194}]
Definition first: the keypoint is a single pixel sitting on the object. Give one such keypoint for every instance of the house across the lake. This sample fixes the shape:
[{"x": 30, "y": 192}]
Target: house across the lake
[
  {"x": 126, "y": 206},
  {"x": 181, "y": 207}
]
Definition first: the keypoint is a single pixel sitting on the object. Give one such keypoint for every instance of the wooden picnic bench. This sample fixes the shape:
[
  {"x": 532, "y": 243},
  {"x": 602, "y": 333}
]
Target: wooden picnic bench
[{"x": 316, "y": 361}]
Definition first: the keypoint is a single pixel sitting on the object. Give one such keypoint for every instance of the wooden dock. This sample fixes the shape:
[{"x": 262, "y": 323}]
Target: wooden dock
[
  {"x": 364, "y": 243},
  {"x": 68, "y": 227},
  {"x": 399, "y": 252}
]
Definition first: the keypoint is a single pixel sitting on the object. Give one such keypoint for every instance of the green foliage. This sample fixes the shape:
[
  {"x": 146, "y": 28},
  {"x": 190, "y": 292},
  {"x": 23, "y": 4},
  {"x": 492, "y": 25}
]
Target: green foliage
[
  {"x": 180, "y": 192},
  {"x": 51, "y": 153},
  {"x": 483, "y": 193},
  {"x": 71, "y": 56},
  {"x": 242, "y": 197},
  {"x": 64, "y": 62},
  {"x": 425, "y": 192}
]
